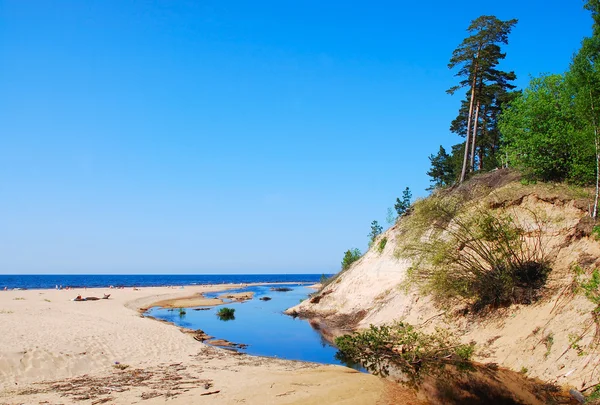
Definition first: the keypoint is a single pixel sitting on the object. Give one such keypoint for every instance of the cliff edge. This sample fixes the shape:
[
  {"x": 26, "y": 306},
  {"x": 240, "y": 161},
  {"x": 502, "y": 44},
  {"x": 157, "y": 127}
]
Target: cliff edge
[{"x": 553, "y": 337}]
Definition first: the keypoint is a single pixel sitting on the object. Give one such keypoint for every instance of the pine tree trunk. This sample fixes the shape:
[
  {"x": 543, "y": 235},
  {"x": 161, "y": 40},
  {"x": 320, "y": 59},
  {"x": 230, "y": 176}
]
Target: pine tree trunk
[
  {"x": 480, "y": 167},
  {"x": 474, "y": 137},
  {"x": 466, "y": 157}
]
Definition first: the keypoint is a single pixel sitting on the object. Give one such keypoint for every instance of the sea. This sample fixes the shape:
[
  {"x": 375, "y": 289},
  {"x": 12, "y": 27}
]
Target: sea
[{"x": 39, "y": 281}]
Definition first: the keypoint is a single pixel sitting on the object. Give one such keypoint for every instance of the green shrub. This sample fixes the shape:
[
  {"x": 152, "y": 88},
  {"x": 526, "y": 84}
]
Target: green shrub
[
  {"x": 381, "y": 244},
  {"x": 480, "y": 255},
  {"x": 548, "y": 342},
  {"x": 226, "y": 314},
  {"x": 376, "y": 230},
  {"x": 594, "y": 397},
  {"x": 350, "y": 256},
  {"x": 401, "y": 346},
  {"x": 596, "y": 232}
]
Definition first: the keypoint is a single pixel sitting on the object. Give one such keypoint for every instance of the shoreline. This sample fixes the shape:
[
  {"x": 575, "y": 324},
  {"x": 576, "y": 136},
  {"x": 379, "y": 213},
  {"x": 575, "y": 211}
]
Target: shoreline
[{"x": 94, "y": 344}]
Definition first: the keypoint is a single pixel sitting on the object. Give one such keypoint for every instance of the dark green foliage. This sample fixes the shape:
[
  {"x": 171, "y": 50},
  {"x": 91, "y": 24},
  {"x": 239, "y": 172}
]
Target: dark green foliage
[
  {"x": 381, "y": 244},
  {"x": 479, "y": 53},
  {"x": 350, "y": 256},
  {"x": 403, "y": 205},
  {"x": 376, "y": 230},
  {"x": 226, "y": 314},
  {"x": 442, "y": 170},
  {"x": 401, "y": 346},
  {"x": 477, "y": 58}
]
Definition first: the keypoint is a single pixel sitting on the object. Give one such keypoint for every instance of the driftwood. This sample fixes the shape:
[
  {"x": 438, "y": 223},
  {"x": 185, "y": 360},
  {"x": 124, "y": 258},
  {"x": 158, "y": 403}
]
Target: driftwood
[{"x": 211, "y": 392}]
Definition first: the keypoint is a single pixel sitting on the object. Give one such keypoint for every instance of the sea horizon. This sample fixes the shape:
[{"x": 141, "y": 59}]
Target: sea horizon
[{"x": 45, "y": 281}]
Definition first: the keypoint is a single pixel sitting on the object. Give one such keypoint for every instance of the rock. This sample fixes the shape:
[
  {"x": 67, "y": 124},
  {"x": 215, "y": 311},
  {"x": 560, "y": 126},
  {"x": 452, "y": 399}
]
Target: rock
[
  {"x": 578, "y": 396},
  {"x": 281, "y": 289}
]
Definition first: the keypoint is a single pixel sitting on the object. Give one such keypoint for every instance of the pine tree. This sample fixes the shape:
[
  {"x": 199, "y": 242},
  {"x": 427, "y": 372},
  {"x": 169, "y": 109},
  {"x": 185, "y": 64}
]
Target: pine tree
[
  {"x": 376, "y": 230},
  {"x": 442, "y": 171},
  {"x": 403, "y": 205},
  {"x": 477, "y": 57}
]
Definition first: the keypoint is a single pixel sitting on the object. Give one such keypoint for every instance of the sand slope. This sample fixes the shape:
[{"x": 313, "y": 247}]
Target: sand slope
[{"x": 537, "y": 338}]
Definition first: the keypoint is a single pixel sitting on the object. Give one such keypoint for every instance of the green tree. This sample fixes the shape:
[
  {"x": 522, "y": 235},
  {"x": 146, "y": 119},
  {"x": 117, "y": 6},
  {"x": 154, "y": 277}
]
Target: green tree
[
  {"x": 477, "y": 57},
  {"x": 442, "y": 170},
  {"x": 403, "y": 205},
  {"x": 584, "y": 79},
  {"x": 541, "y": 134},
  {"x": 391, "y": 216},
  {"x": 350, "y": 256},
  {"x": 376, "y": 230}
]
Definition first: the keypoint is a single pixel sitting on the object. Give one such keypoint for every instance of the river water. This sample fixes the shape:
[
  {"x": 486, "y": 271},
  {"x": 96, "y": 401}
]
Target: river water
[{"x": 260, "y": 324}]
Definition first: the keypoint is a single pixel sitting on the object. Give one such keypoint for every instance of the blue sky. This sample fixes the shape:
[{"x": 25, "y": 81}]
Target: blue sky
[{"x": 230, "y": 137}]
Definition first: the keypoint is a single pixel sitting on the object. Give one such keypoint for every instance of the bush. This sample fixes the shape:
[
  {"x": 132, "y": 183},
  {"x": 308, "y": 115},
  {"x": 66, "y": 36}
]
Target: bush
[
  {"x": 478, "y": 255},
  {"x": 226, "y": 314},
  {"x": 381, "y": 244},
  {"x": 350, "y": 256},
  {"x": 401, "y": 346}
]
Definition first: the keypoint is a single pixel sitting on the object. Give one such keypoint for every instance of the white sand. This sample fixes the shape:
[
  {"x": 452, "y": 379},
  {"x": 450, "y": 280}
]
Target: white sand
[{"x": 47, "y": 337}]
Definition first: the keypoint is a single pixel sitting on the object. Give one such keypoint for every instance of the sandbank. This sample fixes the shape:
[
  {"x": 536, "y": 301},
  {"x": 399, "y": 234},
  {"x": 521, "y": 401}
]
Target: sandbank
[{"x": 60, "y": 351}]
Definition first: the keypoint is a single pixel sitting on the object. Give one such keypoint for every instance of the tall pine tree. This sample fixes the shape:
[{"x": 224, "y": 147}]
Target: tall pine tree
[{"x": 477, "y": 57}]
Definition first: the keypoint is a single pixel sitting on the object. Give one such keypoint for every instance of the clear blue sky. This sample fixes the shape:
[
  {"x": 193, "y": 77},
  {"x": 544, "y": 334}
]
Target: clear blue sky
[{"x": 230, "y": 136}]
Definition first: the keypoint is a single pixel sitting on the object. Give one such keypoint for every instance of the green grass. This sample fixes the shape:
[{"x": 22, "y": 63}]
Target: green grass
[
  {"x": 381, "y": 244},
  {"x": 226, "y": 314}
]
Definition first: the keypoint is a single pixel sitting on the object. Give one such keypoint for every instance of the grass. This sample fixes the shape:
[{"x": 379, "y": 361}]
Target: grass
[
  {"x": 19, "y": 299},
  {"x": 4, "y": 311},
  {"x": 574, "y": 343},
  {"x": 587, "y": 283},
  {"x": 381, "y": 244},
  {"x": 226, "y": 314},
  {"x": 487, "y": 257},
  {"x": 548, "y": 341}
]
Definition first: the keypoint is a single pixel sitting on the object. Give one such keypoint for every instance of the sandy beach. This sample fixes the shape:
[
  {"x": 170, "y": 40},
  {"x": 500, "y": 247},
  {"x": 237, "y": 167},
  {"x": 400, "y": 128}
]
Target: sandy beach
[{"x": 55, "y": 350}]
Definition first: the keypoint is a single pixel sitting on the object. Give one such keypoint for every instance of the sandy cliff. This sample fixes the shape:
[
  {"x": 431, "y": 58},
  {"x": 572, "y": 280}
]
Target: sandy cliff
[{"x": 537, "y": 337}]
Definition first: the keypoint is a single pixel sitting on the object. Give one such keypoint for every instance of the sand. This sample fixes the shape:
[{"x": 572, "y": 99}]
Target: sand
[{"x": 56, "y": 350}]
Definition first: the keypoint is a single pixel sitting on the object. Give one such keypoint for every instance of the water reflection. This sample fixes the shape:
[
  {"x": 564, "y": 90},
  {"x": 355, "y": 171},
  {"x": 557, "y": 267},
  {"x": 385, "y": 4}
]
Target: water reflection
[{"x": 261, "y": 324}]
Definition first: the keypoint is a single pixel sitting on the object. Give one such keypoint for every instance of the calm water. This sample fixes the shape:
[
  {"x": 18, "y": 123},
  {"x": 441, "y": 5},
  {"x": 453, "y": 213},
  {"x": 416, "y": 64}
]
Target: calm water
[
  {"x": 145, "y": 280},
  {"x": 261, "y": 325}
]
